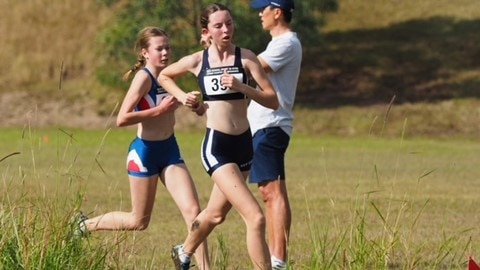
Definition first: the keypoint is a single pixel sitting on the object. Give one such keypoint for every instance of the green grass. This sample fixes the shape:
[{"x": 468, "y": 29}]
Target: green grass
[
  {"x": 369, "y": 189},
  {"x": 385, "y": 13},
  {"x": 456, "y": 118},
  {"x": 358, "y": 203},
  {"x": 420, "y": 52}
]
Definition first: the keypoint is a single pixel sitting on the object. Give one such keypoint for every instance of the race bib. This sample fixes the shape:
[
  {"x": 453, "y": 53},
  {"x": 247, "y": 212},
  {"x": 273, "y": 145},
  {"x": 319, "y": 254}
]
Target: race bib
[{"x": 212, "y": 80}]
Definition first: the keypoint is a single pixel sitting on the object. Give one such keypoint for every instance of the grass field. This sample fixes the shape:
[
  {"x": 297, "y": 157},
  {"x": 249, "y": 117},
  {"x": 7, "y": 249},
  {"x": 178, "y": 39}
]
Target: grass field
[
  {"x": 377, "y": 192},
  {"x": 358, "y": 203}
]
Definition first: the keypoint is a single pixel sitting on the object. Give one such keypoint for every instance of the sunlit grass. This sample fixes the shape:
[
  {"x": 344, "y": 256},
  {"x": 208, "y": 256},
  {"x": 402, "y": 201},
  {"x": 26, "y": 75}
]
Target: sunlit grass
[
  {"x": 443, "y": 119},
  {"x": 361, "y": 201},
  {"x": 384, "y": 13},
  {"x": 358, "y": 203}
]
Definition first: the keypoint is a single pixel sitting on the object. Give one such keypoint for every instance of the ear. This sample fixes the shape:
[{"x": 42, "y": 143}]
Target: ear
[
  {"x": 144, "y": 53},
  {"x": 277, "y": 12},
  {"x": 205, "y": 32}
]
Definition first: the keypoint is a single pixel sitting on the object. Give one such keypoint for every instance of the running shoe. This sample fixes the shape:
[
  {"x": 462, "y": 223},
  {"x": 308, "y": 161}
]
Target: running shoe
[
  {"x": 80, "y": 227},
  {"x": 176, "y": 252}
]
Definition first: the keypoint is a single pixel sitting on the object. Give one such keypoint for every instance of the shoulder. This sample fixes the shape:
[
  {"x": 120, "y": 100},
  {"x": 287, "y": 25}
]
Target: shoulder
[
  {"x": 141, "y": 82},
  {"x": 191, "y": 60},
  {"x": 248, "y": 57},
  {"x": 141, "y": 76},
  {"x": 247, "y": 54},
  {"x": 294, "y": 42},
  {"x": 288, "y": 41},
  {"x": 283, "y": 47},
  {"x": 189, "y": 63},
  {"x": 250, "y": 61},
  {"x": 195, "y": 57}
]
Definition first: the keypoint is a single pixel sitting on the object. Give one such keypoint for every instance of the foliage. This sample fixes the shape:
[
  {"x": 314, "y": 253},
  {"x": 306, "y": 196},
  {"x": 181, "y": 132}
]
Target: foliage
[
  {"x": 309, "y": 18},
  {"x": 421, "y": 51},
  {"x": 181, "y": 20}
]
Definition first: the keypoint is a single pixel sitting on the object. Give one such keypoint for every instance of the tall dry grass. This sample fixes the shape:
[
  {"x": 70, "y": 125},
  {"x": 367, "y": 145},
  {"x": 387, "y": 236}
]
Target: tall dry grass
[
  {"x": 39, "y": 35},
  {"x": 358, "y": 203}
]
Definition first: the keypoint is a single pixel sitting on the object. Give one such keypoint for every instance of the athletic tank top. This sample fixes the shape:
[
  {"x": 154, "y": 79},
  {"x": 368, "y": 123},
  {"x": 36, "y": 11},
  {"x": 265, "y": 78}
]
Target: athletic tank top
[
  {"x": 153, "y": 97},
  {"x": 209, "y": 79}
]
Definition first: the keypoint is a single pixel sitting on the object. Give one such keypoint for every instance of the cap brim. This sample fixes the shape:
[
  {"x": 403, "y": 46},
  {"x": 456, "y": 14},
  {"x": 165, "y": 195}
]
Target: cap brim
[{"x": 259, "y": 4}]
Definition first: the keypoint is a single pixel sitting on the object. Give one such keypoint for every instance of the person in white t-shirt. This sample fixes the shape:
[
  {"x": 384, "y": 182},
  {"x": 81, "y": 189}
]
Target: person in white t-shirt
[{"x": 272, "y": 129}]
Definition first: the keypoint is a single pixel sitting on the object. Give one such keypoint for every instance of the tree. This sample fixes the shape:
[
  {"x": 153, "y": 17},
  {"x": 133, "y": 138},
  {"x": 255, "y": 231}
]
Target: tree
[{"x": 181, "y": 20}]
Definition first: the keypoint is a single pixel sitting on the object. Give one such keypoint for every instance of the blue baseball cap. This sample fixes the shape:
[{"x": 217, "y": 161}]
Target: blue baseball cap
[{"x": 286, "y": 5}]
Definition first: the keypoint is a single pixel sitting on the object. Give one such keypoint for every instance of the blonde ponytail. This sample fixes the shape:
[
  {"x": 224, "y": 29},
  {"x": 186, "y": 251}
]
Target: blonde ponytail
[{"x": 140, "y": 63}]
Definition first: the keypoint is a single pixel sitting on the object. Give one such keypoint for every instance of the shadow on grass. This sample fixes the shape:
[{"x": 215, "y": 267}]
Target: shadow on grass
[{"x": 418, "y": 61}]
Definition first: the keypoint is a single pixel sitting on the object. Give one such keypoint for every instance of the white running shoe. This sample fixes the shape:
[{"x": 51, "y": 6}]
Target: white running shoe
[
  {"x": 178, "y": 251},
  {"x": 80, "y": 227}
]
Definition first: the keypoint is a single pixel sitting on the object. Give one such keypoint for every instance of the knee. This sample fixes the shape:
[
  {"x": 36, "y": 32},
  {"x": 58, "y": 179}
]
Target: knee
[
  {"x": 140, "y": 224},
  {"x": 273, "y": 191},
  {"x": 258, "y": 220},
  {"x": 206, "y": 220},
  {"x": 191, "y": 212},
  {"x": 267, "y": 193},
  {"x": 215, "y": 218}
]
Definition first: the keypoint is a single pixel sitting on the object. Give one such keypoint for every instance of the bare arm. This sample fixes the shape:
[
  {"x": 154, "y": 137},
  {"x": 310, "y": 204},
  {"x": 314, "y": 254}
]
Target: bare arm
[
  {"x": 264, "y": 65},
  {"x": 166, "y": 78},
  {"x": 267, "y": 95},
  {"x": 138, "y": 88}
]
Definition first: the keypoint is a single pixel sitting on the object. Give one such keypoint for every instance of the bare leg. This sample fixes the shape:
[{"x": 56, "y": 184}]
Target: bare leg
[
  {"x": 278, "y": 216},
  {"x": 142, "y": 192},
  {"x": 179, "y": 183},
  {"x": 214, "y": 214},
  {"x": 230, "y": 188}
]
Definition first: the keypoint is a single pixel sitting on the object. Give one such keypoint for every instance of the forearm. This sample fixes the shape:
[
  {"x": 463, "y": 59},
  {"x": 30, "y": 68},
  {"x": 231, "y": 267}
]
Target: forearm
[
  {"x": 172, "y": 88},
  {"x": 135, "y": 117},
  {"x": 266, "y": 99}
]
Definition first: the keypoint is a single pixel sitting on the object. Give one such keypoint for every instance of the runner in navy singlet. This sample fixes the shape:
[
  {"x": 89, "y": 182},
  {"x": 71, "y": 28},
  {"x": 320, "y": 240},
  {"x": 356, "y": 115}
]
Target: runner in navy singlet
[
  {"x": 227, "y": 147},
  {"x": 154, "y": 152},
  {"x": 209, "y": 78}
]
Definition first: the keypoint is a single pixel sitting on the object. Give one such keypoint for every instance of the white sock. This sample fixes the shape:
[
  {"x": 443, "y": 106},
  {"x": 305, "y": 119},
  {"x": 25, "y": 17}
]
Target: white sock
[
  {"x": 182, "y": 255},
  {"x": 278, "y": 264}
]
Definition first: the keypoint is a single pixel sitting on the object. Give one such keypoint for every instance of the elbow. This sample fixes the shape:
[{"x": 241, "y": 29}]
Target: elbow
[
  {"x": 162, "y": 79},
  {"x": 121, "y": 122},
  {"x": 274, "y": 104}
]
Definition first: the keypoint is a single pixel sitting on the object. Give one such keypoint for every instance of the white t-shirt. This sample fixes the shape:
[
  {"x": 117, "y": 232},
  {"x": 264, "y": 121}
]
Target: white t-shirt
[{"x": 284, "y": 56}]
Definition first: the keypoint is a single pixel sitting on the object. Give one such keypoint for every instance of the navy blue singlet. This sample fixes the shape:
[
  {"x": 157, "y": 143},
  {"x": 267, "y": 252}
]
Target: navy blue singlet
[
  {"x": 153, "y": 97},
  {"x": 209, "y": 79}
]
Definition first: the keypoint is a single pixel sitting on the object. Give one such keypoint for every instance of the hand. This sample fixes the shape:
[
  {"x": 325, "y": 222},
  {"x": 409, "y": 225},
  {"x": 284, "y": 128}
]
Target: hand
[
  {"x": 200, "y": 109},
  {"x": 192, "y": 99},
  {"x": 168, "y": 104},
  {"x": 228, "y": 80}
]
